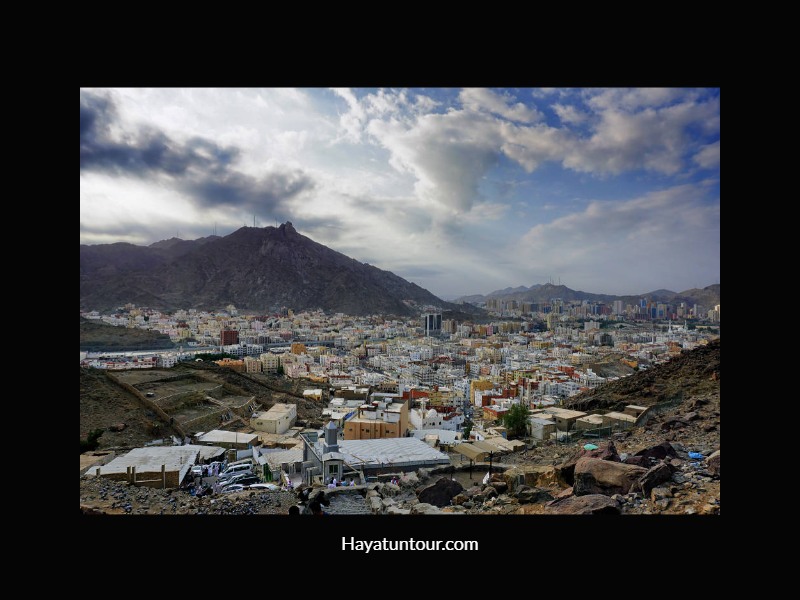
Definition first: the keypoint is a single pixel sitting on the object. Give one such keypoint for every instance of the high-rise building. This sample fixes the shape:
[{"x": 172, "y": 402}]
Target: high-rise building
[{"x": 432, "y": 323}]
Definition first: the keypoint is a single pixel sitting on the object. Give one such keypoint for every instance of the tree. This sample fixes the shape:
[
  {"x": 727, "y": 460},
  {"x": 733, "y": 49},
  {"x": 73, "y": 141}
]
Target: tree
[
  {"x": 467, "y": 429},
  {"x": 516, "y": 420}
]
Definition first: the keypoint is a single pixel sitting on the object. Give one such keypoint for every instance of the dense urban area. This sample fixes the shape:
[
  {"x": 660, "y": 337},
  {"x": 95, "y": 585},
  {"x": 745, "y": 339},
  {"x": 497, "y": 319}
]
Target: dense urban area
[{"x": 562, "y": 407}]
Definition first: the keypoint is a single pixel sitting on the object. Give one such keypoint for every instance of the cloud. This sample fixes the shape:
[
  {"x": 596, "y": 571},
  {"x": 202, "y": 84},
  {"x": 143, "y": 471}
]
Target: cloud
[
  {"x": 485, "y": 100},
  {"x": 708, "y": 156},
  {"x": 667, "y": 235},
  {"x": 199, "y": 168},
  {"x": 569, "y": 115}
]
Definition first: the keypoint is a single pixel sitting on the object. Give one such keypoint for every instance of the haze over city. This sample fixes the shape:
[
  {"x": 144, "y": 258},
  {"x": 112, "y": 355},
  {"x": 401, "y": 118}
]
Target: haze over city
[{"x": 461, "y": 191}]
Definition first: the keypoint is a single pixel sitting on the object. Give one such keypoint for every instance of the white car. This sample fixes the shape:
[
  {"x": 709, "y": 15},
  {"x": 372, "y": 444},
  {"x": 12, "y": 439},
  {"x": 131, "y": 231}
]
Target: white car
[
  {"x": 234, "y": 487},
  {"x": 197, "y": 470},
  {"x": 264, "y": 486}
]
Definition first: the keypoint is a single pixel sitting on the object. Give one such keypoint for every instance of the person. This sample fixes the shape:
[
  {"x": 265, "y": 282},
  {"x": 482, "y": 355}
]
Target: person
[
  {"x": 352, "y": 481},
  {"x": 316, "y": 509},
  {"x": 333, "y": 481},
  {"x": 294, "y": 510}
]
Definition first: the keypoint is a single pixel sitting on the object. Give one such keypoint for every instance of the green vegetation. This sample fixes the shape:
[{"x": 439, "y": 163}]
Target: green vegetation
[
  {"x": 516, "y": 420},
  {"x": 92, "y": 441}
]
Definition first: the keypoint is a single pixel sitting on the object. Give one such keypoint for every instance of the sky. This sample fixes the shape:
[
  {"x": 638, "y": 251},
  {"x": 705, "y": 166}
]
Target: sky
[{"x": 462, "y": 191}]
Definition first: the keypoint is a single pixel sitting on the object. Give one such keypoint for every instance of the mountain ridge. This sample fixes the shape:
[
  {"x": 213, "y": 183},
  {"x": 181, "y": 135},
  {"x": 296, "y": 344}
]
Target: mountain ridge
[
  {"x": 252, "y": 268},
  {"x": 707, "y": 296}
]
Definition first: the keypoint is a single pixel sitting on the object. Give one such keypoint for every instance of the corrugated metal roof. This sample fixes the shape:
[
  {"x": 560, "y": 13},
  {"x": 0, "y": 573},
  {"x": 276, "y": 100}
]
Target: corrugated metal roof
[{"x": 390, "y": 451}]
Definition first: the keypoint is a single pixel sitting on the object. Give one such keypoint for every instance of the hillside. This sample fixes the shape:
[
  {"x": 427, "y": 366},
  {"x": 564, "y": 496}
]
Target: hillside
[
  {"x": 102, "y": 337},
  {"x": 253, "y": 268},
  {"x": 694, "y": 372}
]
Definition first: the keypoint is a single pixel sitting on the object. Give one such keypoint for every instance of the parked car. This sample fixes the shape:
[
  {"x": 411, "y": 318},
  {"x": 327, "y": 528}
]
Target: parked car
[
  {"x": 242, "y": 479},
  {"x": 235, "y": 469},
  {"x": 197, "y": 470},
  {"x": 264, "y": 486},
  {"x": 235, "y": 487}
]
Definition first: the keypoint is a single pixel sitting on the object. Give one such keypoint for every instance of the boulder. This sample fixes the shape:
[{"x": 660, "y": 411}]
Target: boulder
[
  {"x": 375, "y": 505},
  {"x": 500, "y": 486},
  {"x": 595, "y": 476},
  {"x": 691, "y": 416},
  {"x": 710, "y": 427},
  {"x": 659, "y": 493},
  {"x": 712, "y": 464},
  {"x": 658, "y": 474},
  {"x": 396, "y": 510},
  {"x": 389, "y": 489},
  {"x": 117, "y": 427},
  {"x": 663, "y": 450},
  {"x": 423, "y": 508},
  {"x": 638, "y": 461},
  {"x": 566, "y": 493},
  {"x": 529, "y": 495},
  {"x": 409, "y": 480},
  {"x": 592, "y": 504},
  {"x": 459, "y": 499},
  {"x": 538, "y": 475},
  {"x": 441, "y": 492}
]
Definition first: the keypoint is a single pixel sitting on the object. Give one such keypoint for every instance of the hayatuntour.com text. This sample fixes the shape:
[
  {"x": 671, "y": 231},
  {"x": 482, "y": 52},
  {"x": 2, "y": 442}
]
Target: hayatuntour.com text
[{"x": 368, "y": 546}]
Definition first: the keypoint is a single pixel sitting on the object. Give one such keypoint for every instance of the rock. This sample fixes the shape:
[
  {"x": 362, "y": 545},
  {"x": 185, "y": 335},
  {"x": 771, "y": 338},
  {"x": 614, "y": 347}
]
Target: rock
[
  {"x": 459, "y": 499},
  {"x": 470, "y": 492},
  {"x": 375, "y": 505},
  {"x": 387, "y": 502},
  {"x": 503, "y": 499},
  {"x": 678, "y": 478},
  {"x": 468, "y": 504},
  {"x": 389, "y": 489},
  {"x": 500, "y": 486},
  {"x": 570, "y": 491},
  {"x": 423, "y": 508},
  {"x": 595, "y": 476},
  {"x": 675, "y": 463},
  {"x": 691, "y": 416},
  {"x": 117, "y": 427},
  {"x": 662, "y": 451},
  {"x": 592, "y": 504},
  {"x": 673, "y": 423},
  {"x": 539, "y": 475},
  {"x": 619, "y": 498},
  {"x": 712, "y": 464},
  {"x": 698, "y": 402},
  {"x": 655, "y": 476},
  {"x": 529, "y": 495},
  {"x": 659, "y": 493},
  {"x": 423, "y": 474},
  {"x": 441, "y": 492},
  {"x": 487, "y": 493},
  {"x": 607, "y": 452},
  {"x": 710, "y": 427},
  {"x": 638, "y": 461},
  {"x": 662, "y": 504},
  {"x": 409, "y": 480},
  {"x": 396, "y": 510},
  {"x": 690, "y": 511}
]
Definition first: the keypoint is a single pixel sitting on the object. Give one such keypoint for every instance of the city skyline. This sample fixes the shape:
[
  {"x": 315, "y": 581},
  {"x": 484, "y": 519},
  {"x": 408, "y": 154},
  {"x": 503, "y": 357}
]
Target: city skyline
[{"x": 462, "y": 191}]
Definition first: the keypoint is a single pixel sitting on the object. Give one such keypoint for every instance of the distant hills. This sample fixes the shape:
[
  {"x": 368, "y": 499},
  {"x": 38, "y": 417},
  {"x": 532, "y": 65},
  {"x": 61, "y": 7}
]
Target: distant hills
[
  {"x": 253, "y": 268},
  {"x": 707, "y": 296}
]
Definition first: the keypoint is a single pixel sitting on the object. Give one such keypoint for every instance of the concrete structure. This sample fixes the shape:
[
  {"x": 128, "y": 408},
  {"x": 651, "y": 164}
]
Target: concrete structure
[
  {"x": 156, "y": 466},
  {"x": 634, "y": 410},
  {"x": 541, "y": 428},
  {"x": 618, "y": 419},
  {"x": 277, "y": 419},
  {"x": 589, "y": 422},
  {"x": 313, "y": 394},
  {"x": 227, "y": 439},
  {"x": 565, "y": 419},
  {"x": 377, "y": 420}
]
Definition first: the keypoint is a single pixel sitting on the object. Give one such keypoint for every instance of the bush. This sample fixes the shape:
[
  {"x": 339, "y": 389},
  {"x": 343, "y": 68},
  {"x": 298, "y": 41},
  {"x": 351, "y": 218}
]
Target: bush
[{"x": 92, "y": 441}]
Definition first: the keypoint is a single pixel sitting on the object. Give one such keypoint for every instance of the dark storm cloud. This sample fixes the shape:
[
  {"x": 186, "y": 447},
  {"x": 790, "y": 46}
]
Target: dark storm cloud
[{"x": 198, "y": 167}]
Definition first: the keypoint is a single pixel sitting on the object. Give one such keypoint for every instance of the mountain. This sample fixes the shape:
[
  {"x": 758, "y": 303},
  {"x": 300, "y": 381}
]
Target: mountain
[
  {"x": 707, "y": 296},
  {"x": 253, "y": 268}
]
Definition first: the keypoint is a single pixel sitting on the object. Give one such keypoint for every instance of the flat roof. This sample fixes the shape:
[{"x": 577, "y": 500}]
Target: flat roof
[
  {"x": 564, "y": 413},
  {"x": 390, "y": 452},
  {"x": 446, "y": 436},
  {"x": 591, "y": 418},
  {"x": 228, "y": 437},
  {"x": 620, "y": 416},
  {"x": 150, "y": 459}
]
